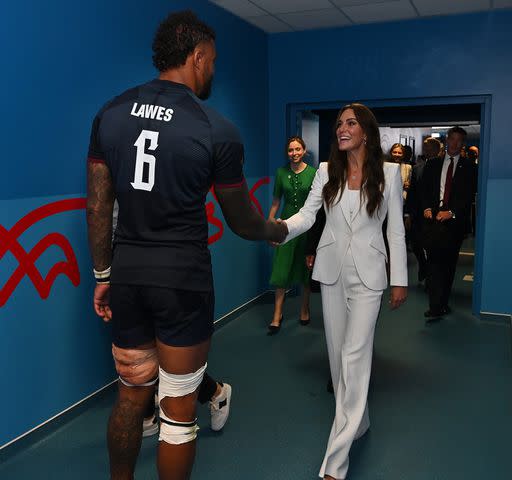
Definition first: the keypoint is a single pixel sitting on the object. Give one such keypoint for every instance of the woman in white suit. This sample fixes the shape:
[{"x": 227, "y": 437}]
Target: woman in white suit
[{"x": 358, "y": 189}]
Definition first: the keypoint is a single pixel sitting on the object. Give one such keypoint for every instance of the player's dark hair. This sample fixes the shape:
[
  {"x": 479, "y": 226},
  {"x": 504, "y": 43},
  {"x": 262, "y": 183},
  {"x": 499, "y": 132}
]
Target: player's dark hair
[{"x": 176, "y": 38}]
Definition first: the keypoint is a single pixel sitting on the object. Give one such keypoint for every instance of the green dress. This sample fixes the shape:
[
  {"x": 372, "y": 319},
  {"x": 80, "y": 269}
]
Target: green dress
[{"x": 289, "y": 266}]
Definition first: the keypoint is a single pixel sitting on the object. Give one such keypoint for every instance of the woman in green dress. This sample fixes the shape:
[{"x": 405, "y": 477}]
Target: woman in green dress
[{"x": 292, "y": 183}]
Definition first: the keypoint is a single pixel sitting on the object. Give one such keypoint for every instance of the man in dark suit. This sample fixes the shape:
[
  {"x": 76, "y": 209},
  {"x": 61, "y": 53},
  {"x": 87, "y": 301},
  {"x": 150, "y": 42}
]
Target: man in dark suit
[
  {"x": 413, "y": 212},
  {"x": 446, "y": 201}
]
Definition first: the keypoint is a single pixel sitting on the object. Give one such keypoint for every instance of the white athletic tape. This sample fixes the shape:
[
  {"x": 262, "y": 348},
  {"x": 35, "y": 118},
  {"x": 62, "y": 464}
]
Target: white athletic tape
[
  {"x": 172, "y": 385},
  {"x": 136, "y": 367},
  {"x": 176, "y": 433}
]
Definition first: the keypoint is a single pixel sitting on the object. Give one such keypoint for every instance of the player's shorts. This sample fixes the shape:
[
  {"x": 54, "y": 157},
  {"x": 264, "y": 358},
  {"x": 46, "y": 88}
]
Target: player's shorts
[{"x": 178, "y": 318}]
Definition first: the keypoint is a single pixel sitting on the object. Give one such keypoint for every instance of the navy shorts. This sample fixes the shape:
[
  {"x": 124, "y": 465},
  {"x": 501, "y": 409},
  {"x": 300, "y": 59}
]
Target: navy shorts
[{"x": 178, "y": 318}]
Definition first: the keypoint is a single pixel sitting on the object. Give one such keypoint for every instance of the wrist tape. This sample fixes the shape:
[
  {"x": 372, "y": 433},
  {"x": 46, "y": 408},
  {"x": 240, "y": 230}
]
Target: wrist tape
[{"x": 103, "y": 276}]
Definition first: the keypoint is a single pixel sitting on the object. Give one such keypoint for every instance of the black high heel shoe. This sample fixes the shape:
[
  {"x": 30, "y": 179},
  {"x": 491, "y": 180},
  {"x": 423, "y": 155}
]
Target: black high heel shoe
[
  {"x": 273, "y": 329},
  {"x": 305, "y": 322}
]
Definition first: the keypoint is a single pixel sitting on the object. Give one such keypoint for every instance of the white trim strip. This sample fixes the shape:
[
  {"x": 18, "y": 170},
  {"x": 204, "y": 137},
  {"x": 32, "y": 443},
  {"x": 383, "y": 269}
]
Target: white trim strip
[
  {"x": 111, "y": 383},
  {"x": 58, "y": 414},
  {"x": 241, "y": 306},
  {"x": 497, "y": 314}
]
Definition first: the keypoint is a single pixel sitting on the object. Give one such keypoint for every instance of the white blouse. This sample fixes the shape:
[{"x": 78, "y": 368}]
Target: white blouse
[{"x": 353, "y": 202}]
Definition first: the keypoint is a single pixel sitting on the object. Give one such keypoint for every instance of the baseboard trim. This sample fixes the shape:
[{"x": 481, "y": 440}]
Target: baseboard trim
[
  {"x": 229, "y": 317},
  {"x": 35, "y": 434},
  {"x": 500, "y": 318}
]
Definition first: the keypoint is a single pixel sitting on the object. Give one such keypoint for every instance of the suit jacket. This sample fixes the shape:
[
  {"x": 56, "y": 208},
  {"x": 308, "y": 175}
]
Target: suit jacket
[
  {"x": 313, "y": 237},
  {"x": 363, "y": 234},
  {"x": 461, "y": 195},
  {"x": 412, "y": 205},
  {"x": 315, "y": 232}
]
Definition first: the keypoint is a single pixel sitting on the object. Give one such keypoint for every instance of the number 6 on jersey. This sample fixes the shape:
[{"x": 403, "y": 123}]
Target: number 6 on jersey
[{"x": 142, "y": 158}]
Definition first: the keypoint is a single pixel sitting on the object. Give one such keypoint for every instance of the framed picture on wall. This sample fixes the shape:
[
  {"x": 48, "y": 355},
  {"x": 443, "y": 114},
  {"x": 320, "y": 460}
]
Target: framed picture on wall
[
  {"x": 403, "y": 139},
  {"x": 412, "y": 144}
]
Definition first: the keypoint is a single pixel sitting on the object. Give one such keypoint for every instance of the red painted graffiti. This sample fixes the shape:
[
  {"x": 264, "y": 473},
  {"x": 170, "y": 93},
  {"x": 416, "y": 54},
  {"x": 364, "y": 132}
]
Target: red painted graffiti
[
  {"x": 252, "y": 191},
  {"x": 216, "y": 222},
  {"x": 27, "y": 260}
]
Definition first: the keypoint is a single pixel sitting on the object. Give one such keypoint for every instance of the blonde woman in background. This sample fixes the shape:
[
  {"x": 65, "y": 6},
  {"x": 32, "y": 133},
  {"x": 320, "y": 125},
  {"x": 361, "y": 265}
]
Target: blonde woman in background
[{"x": 397, "y": 154}]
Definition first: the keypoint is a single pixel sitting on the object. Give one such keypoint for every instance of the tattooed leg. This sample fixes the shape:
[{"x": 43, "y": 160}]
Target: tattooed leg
[{"x": 124, "y": 434}]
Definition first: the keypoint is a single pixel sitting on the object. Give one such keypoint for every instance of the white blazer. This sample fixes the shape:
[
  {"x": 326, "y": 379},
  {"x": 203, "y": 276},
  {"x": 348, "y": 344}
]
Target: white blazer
[{"x": 363, "y": 233}]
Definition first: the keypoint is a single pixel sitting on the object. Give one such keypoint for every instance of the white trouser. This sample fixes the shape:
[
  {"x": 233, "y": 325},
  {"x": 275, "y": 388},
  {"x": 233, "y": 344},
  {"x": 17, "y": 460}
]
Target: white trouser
[{"x": 350, "y": 312}]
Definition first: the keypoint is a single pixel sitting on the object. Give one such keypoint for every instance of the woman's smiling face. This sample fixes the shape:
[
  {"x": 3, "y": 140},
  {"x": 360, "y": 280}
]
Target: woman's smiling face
[
  {"x": 349, "y": 132},
  {"x": 295, "y": 151},
  {"x": 398, "y": 154}
]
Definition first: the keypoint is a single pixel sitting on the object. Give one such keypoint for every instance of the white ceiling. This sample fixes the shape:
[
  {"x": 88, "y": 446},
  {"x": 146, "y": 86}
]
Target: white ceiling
[{"x": 274, "y": 16}]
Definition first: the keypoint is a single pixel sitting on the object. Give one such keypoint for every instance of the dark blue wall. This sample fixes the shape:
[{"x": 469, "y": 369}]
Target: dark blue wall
[
  {"x": 61, "y": 61},
  {"x": 454, "y": 56}
]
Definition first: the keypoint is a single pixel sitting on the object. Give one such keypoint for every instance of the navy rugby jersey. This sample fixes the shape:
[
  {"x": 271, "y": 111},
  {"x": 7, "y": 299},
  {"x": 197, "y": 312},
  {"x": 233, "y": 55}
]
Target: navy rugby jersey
[{"x": 164, "y": 149}]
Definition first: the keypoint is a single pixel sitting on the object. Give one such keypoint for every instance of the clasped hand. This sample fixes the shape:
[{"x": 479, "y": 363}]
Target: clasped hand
[
  {"x": 441, "y": 216},
  {"x": 281, "y": 231},
  {"x": 444, "y": 215}
]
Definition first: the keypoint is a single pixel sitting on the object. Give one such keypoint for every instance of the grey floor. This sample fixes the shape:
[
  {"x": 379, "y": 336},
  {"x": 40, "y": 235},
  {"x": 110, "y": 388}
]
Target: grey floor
[{"x": 440, "y": 403}]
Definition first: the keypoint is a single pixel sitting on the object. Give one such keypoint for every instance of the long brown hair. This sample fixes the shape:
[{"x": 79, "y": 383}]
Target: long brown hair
[{"x": 372, "y": 185}]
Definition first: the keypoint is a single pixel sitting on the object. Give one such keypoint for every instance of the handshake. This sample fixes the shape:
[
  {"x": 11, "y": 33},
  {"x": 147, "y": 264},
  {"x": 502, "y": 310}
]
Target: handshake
[{"x": 277, "y": 231}]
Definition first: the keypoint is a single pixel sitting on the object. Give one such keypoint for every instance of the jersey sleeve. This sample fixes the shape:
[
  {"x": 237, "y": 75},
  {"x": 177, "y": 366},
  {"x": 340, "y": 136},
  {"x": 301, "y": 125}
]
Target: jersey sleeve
[
  {"x": 228, "y": 155},
  {"x": 95, "y": 154}
]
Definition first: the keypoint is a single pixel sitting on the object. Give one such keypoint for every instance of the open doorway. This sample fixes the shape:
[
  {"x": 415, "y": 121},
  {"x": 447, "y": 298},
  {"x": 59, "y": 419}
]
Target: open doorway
[{"x": 409, "y": 122}]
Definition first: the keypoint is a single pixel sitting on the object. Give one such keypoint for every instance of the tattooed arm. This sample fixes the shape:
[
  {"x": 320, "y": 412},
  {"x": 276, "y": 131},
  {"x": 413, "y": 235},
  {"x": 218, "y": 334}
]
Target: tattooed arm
[
  {"x": 100, "y": 203},
  {"x": 243, "y": 218}
]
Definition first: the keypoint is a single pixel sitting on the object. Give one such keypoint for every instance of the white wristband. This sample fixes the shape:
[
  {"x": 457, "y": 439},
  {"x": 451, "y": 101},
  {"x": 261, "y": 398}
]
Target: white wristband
[{"x": 102, "y": 275}]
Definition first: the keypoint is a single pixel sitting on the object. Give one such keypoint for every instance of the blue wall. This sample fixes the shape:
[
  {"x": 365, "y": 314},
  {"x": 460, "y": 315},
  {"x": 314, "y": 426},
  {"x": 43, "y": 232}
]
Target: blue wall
[
  {"x": 439, "y": 57},
  {"x": 61, "y": 61}
]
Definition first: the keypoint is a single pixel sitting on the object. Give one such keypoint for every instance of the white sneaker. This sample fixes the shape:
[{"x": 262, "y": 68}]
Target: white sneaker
[
  {"x": 219, "y": 408},
  {"x": 150, "y": 426}
]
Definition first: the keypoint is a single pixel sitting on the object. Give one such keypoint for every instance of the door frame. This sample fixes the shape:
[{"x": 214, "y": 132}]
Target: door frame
[{"x": 293, "y": 127}]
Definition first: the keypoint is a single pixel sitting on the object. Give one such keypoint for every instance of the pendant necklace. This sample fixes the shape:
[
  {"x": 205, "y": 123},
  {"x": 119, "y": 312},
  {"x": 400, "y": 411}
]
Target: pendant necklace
[{"x": 353, "y": 173}]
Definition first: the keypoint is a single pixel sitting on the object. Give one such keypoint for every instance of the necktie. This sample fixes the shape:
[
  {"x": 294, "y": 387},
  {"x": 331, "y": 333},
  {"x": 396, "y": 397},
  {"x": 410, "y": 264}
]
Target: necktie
[{"x": 448, "y": 184}]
